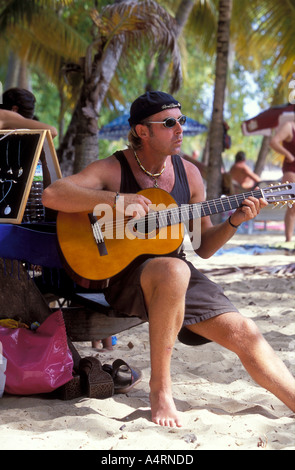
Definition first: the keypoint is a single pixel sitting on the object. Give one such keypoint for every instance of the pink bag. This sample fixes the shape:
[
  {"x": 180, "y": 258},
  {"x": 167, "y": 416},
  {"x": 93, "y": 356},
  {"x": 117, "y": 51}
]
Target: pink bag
[{"x": 37, "y": 361}]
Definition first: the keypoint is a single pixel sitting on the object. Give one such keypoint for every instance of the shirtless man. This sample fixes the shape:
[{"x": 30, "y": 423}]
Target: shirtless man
[
  {"x": 169, "y": 291},
  {"x": 241, "y": 174},
  {"x": 283, "y": 142}
]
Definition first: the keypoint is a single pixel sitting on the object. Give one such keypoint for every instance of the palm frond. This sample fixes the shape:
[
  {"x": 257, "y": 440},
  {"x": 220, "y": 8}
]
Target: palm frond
[
  {"x": 275, "y": 31},
  {"x": 47, "y": 42},
  {"x": 137, "y": 23},
  {"x": 203, "y": 24},
  {"x": 14, "y": 12}
]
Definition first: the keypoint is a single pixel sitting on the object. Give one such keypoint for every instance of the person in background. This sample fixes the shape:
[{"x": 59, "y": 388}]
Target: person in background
[
  {"x": 283, "y": 142},
  {"x": 107, "y": 344},
  {"x": 17, "y": 111},
  {"x": 241, "y": 174}
]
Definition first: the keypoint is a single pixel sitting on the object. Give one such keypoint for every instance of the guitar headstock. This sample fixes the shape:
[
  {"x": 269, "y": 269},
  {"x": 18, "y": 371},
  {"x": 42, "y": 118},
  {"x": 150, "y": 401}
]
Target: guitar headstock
[{"x": 283, "y": 193}]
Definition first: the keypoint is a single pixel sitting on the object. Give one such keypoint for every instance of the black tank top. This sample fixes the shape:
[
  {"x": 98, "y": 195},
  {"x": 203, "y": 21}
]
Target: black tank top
[{"x": 180, "y": 191}]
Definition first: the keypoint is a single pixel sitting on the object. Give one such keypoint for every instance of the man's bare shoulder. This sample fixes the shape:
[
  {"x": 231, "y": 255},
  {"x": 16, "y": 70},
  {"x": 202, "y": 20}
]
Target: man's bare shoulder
[
  {"x": 284, "y": 133},
  {"x": 107, "y": 162},
  {"x": 193, "y": 173},
  {"x": 103, "y": 173},
  {"x": 195, "y": 180},
  {"x": 191, "y": 166}
]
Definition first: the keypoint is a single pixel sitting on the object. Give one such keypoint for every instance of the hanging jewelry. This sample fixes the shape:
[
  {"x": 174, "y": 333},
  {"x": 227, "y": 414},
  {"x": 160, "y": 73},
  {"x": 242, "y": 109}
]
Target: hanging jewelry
[
  {"x": 7, "y": 209},
  {"x": 10, "y": 172},
  {"x": 154, "y": 176},
  {"x": 20, "y": 170}
]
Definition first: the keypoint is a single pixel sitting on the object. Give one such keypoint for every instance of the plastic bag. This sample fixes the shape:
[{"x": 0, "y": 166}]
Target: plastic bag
[
  {"x": 37, "y": 361},
  {"x": 2, "y": 373}
]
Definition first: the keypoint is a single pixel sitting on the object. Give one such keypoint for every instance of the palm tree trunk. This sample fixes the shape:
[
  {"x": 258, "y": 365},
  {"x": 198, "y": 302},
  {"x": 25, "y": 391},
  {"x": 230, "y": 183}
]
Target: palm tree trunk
[
  {"x": 181, "y": 18},
  {"x": 12, "y": 71},
  {"x": 263, "y": 152},
  {"x": 17, "y": 74},
  {"x": 214, "y": 178},
  {"x": 99, "y": 69},
  {"x": 91, "y": 100},
  {"x": 80, "y": 144}
]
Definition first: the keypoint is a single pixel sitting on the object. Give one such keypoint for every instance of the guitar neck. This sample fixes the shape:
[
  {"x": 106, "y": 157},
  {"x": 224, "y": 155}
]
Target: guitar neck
[{"x": 187, "y": 212}]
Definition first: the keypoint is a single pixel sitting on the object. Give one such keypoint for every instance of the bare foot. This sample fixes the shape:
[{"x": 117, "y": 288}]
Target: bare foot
[
  {"x": 163, "y": 410},
  {"x": 101, "y": 347}
]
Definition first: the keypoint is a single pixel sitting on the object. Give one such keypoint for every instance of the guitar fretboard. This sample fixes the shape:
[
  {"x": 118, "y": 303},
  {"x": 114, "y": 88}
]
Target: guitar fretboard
[{"x": 187, "y": 212}]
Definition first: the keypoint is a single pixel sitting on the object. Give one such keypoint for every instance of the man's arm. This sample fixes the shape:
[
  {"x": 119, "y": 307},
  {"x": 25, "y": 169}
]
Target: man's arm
[
  {"x": 282, "y": 135},
  {"x": 12, "y": 120},
  {"x": 97, "y": 184},
  {"x": 251, "y": 174},
  {"x": 79, "y": 192},
  {"x": 214, "y": 237}
]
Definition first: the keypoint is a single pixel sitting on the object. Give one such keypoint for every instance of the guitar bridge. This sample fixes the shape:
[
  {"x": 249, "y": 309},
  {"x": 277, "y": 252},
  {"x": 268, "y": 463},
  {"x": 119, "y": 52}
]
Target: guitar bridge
[{"x": 98, "y": 236}]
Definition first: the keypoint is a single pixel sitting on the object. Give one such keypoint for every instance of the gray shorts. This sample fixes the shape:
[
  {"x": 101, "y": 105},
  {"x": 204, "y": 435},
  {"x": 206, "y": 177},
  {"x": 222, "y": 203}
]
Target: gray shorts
[{"x": 204, "y": 300}]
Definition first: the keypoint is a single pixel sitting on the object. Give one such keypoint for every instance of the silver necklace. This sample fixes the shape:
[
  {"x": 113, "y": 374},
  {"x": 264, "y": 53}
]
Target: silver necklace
[
  {"x": 7, "y": 209},
  {"x": 154, "y": 176},
  {"x": 20, "y": 169},
  {"x": 10, "y": 172}
]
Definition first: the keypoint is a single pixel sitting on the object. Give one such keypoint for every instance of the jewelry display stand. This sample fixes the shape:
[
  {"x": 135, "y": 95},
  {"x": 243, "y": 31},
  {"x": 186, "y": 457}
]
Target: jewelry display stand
[
  {"x": 26, "y": 293},
  {"x": 20, "y": 153}
]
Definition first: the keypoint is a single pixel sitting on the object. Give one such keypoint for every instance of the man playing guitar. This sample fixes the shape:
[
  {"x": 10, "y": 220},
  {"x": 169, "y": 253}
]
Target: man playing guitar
[{"x": 168, "y": 291}]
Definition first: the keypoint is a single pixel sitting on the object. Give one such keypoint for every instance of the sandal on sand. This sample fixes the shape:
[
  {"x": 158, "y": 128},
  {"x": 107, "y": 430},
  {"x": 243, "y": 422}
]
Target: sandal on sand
[
  {"x": 70, "y": 390},
  {"x": 124, "y": 377},
  {"x": 95, "y": 381}
]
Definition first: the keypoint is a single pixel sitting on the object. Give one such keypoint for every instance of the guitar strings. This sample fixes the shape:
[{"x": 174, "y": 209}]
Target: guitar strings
[{"x": 183, "y": 210}]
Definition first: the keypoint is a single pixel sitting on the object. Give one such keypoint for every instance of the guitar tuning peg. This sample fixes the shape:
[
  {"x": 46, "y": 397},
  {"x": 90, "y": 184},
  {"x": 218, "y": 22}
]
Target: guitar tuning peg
[
  {"x": 275, "y": 205},
  {"x": 290, "y": 204}
]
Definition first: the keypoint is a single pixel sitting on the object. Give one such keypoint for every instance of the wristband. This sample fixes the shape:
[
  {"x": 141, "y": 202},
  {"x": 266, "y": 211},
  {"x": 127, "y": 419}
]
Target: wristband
[
  {"x": 230, "y": 223},
  {"x": 116, "y": 199}
]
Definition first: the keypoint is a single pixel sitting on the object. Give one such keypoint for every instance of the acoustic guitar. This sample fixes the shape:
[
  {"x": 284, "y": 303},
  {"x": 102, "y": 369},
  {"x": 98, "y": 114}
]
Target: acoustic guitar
[{"x": 96, "y": 247}]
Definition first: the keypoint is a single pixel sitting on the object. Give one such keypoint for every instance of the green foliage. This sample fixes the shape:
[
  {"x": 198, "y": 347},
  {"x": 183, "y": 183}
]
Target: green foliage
[{"x": 263, "y": 45}]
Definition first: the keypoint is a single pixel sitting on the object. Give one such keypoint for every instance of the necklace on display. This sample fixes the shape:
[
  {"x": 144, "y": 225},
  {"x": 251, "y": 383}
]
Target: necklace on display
[
  {"x": 10, "y": 172},
  {"x": 7, "y": 209},
  {"x": 19, "y": 170},
  {"x": 154, "y": 176}
]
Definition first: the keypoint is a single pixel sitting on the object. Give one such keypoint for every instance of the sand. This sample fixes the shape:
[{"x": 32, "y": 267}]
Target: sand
[{"x": 222, "y": 408}]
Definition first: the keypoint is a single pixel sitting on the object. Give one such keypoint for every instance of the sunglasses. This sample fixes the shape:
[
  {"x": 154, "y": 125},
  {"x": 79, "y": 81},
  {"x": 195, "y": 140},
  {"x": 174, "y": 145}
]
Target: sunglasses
[{"x": 170, "y": 121}]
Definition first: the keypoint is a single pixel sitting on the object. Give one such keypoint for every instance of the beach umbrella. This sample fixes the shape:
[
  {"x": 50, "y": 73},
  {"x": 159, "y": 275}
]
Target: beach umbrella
[
  {"x": 119, "y": 128},
  {"x": 265, "y": 122},
  {"x": 192, "y": 128}
]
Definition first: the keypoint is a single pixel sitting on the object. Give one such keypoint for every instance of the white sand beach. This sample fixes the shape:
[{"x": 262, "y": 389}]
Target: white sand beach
[{"x": 222, "y": 408}]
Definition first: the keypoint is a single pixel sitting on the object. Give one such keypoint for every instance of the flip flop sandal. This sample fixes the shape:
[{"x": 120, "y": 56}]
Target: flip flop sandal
[
  {"x": 124, "y": 377},
  {"x": 95, "y": 381}
]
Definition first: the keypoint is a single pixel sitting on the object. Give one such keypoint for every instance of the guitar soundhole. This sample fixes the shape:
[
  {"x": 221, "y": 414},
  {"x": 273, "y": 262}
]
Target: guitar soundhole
[{"x": 146, "y": 227}]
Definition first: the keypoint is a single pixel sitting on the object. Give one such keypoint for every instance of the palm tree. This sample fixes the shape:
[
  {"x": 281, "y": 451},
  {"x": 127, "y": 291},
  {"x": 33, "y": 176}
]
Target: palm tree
[
  {"x": 122, "y": 27},
  {"x": 36, "y": 32},
  {"x": 37, "y": 35},
  {"x": 274, "y": 40},
  {"x": 195, "y": 18},
  {"x": 216, "y": 127}
]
